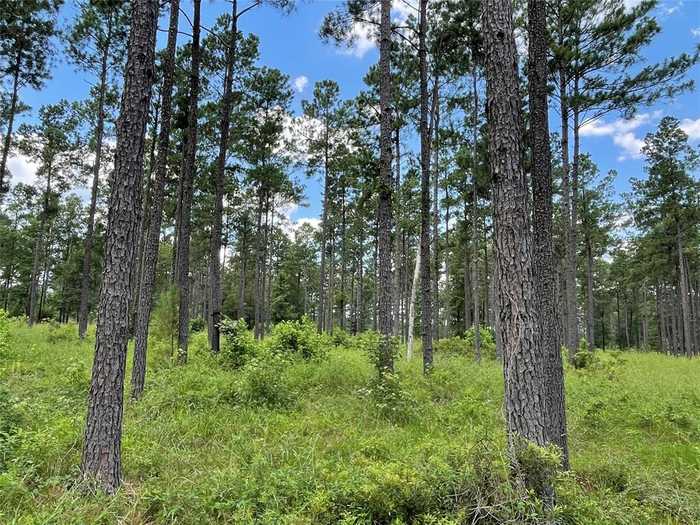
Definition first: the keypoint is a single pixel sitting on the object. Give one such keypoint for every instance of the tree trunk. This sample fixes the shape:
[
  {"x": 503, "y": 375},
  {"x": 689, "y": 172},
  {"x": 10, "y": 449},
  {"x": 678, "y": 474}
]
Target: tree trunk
[
  {"x": 38, "y": 252},
  {"x": 7, "y": 143},
  {"x": 150, "y": 254},
  {"x": 475, "y": 221},
  {"x": 524, "y": 402},
  {"x": 187, "y": 176},
  {"x": 590, "y": 301},
  {"x": 685, "y": 295},
  {"x": 101, "y": 457},
  {"x": 543, "y": 257},
  {"x": 215, "y": 298},
  {"x": 412, "y": 306},
  {"x": 427, "y": 322},
  {"x": 384, "y": 190}
]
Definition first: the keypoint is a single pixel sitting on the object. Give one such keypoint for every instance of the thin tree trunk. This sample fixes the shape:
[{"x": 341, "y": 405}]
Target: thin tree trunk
[
  {"x": 187, "y": 175},
  {"x": 215, "y": 297},
  {"x": 7, "y": 142},
  {"x": 590, "y": 301},
  {"x": 427, "y": 293},
  {"x": 685, "y": 295},
  {"x": 384, "y": 190},
  {"x": 475, "y": 221},
  {"x": 150, "y": 254},
  {"x": 38, "y": 251},
  {"x": 101, "y": 457},
  {"x": 412, "y": 306}
]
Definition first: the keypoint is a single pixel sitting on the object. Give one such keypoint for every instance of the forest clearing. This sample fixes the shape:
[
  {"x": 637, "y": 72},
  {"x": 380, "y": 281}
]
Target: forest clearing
[
  {"x": 308, "y": 441},
  {"x": 371, "y": 262}
]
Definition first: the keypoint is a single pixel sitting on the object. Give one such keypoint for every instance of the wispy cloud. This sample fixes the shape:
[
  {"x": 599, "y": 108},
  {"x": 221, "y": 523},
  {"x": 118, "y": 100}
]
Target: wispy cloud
[
  {"x": 300, "y": 83},
  {"x": 695, "y": 32},
  {"x": 363, "y": 34},
  {"x": 691, "y": 128},
  {"x": 622, "y": 132}
]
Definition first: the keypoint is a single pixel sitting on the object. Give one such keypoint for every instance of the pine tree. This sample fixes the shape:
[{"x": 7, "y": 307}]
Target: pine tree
[
  {"x": 26, "y": 30},
  {"x": 101, "y": 458}
]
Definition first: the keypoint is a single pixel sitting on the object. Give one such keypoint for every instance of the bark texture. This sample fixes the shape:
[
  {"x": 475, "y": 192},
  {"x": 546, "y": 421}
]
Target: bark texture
[
  {"x": 217, "y": 221},
  {"x": 101, "y": 457},
  {"x": 187, "y": 180},
  {"x": 543, "y": 265},
  {"x": 150, "y": 254},
  {"x": 384, "y": 324},
  {"x": 524, "y": 403}
]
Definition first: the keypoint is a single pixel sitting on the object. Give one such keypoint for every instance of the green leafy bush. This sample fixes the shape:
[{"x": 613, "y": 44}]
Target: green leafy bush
[
  {"x": 391, "y": 399},
  {"x": 488, "y": 343},
  {"x": 4, "y": 334},
  {"x": 197, "y": 324},
  {"x": 238, "y": 344},
  {"x": 299, "y": 338},
  {"x": 262, "y": 382}
]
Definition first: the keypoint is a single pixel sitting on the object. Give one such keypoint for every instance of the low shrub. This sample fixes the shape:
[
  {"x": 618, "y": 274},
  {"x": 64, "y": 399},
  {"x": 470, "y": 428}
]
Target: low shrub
[
  {"x": 390, "y": 398},
  {"x": 4, "y": 334},
  {"x": 299, "y": 338},
  {"x": 263, "y": 382},
  {"x": 197, "y": 324},
  {"x": 238, "y": 344}
]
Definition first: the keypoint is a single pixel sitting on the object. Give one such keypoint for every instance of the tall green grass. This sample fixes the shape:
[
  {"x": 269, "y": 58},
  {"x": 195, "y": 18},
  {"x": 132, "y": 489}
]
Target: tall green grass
[{"x": 287, "y": 440}]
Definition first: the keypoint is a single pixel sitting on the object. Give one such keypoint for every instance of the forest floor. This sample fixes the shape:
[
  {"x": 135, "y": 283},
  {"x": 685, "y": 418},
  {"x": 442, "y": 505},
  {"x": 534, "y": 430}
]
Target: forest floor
[{"x": 289, "y": 441}]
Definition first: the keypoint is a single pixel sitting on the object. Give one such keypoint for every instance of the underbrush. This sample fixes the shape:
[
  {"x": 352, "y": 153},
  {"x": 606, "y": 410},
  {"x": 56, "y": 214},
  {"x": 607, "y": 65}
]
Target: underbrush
[{"x": 297, "y": 429}]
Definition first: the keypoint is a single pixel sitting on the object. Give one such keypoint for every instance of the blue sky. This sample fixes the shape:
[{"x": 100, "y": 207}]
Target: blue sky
[{"x": 290, "y": 42}]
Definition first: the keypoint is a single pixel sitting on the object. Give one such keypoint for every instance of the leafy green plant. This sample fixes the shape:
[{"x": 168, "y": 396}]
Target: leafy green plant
[
  {"x": 238, "y": 342},
  {"x": 299, "y": 338},
  {"x": 4, "y": 334}
]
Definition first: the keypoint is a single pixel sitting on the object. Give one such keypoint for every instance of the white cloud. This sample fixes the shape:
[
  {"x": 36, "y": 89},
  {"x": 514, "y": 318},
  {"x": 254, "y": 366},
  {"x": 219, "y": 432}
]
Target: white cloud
[
  {"x": 362, "y": 33},
  {"x": 314, "y": 222},
  {"x": 362, "y": 41},
  {"x": 691, "y": 128},
  {"x": 630, "y": 4},
  {"x": 695, "y": 32},
  {"x": 300, "y": 83},
  {"x": 22, "y": 169},
  {"x": 622, "y": 133}
]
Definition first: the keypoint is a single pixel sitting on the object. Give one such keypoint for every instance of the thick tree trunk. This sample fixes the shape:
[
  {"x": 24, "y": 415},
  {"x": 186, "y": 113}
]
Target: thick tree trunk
[
  {"x": 543, "y": 256},
  {"x": 215, "y": 298},
  {"x": 524, "y": 401},
  {"x": 384, "y": 190},
  {"x": 101, "y": 458},
  {"x": 7, "y": 142},
  {"x": 427, "y": 292},
  {"x": 187, "y": 176},
  {"x": 150, "y": 254}
]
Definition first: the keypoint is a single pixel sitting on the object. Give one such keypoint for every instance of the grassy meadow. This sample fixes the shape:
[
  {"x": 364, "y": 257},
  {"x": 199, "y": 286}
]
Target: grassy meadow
[{"x": 261, "y": 436}]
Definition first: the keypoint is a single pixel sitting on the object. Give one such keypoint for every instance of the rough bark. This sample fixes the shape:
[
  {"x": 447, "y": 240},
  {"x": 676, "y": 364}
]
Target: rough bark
[
  {"x": 384, "y": 191},
  {"x": 544, "y": 273},
  {"x": 150, "y": 254},
  {"x": 187, "y": 178},
  {"x": 525, "y": 408},
  {"x": 101, "y": 456},
  {"x": 217, "y": 221},
  {"x": 427, "y": 321}
]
